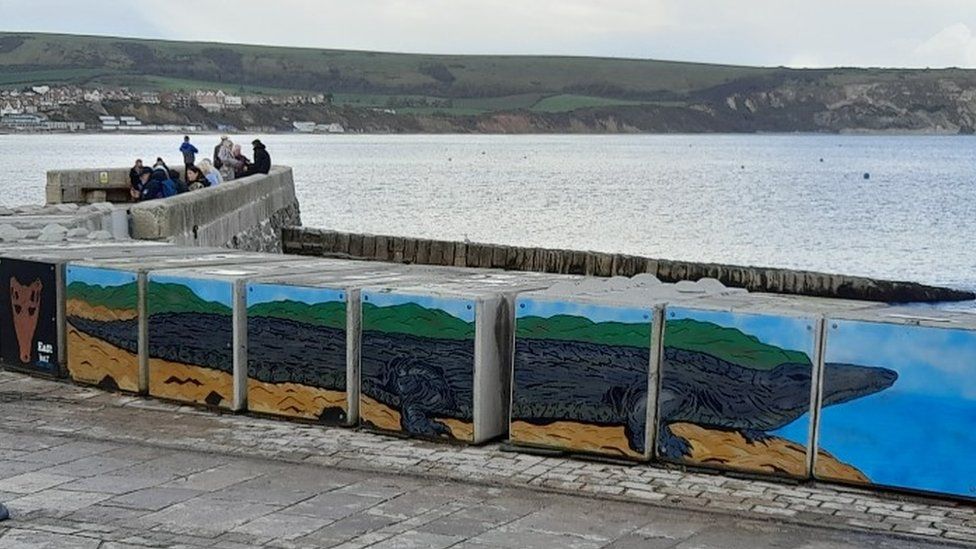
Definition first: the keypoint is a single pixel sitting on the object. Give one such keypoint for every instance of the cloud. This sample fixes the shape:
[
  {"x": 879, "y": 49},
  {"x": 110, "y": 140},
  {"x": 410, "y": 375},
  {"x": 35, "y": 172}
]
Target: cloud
[
  {"x": 895, "y": 33},
  {"x": 954, "y": 45}
]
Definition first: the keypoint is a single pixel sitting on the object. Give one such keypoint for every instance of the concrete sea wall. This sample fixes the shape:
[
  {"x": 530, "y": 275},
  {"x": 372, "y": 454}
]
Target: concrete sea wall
[
  {"x": 246, "y": 213},
  {"x": 420, "y": 251}
]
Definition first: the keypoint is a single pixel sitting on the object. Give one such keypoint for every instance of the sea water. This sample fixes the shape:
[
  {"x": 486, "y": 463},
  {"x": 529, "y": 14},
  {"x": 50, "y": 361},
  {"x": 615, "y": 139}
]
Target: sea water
[{"x": 899, "y": 207}]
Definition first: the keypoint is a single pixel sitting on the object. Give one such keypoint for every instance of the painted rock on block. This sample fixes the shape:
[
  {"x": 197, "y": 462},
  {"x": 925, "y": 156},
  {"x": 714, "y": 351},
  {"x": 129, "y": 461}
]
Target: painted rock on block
[{"x": 102, "y": 327}]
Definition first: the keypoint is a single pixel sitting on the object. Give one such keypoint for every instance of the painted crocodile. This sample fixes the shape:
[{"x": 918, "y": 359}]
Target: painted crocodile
[
  {"x": 696, "y": 388},
  {"x": 710, "y": 392}
]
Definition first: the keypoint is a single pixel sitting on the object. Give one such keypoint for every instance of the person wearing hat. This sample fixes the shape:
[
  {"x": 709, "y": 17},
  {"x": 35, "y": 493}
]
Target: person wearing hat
[{"x": 262, "y": 160}]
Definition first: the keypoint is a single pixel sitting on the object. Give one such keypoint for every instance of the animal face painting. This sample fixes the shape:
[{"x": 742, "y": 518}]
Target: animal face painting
[{"x": 25, "y": 301}]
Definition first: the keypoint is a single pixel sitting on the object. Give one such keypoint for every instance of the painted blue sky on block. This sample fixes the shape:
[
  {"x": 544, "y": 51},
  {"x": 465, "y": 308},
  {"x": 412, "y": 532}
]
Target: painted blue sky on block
[
  {"x": 786, "y": 332},
  {"x": 219, "y": 291},
  {"x": 267, "y": 293},
  {"x": 96, "y": 276},
  {"x": 597, "y": 313},
  {"x": 463, "y": 309},
  {"x": 938, "y": 362},
  {"x": 917, "y": 434}
]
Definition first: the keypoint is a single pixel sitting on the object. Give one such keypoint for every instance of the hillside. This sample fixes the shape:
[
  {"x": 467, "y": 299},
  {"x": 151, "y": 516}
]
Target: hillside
[
  {"x": 330, "y": 315},
  {"x": 177, "y": 298},
  {"x": 728, "y": 344},
  {"x": 415, "y": 320},
  {"x": 502, "y": 94},
  {"x": 575, "y": 328},
  {"x": 121, "y": 297}
]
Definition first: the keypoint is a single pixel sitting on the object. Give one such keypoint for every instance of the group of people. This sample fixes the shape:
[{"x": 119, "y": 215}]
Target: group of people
[{"x": 228, "y": 163}]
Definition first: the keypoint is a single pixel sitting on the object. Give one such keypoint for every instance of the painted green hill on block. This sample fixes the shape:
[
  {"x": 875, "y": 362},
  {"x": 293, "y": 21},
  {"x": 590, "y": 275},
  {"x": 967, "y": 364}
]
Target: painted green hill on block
[
  {"x": 176, "y": 298},
  {"x": 330, "y": 315},
  {"x": 119, "y": 298},
  {"x": 577, "y": 328},
  {"x": 728, "y": 344},
  {"x": 415, "y": 320}
]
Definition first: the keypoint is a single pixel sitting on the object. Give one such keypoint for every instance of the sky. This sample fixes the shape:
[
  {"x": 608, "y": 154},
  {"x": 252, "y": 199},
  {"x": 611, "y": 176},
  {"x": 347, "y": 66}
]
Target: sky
[
  {"x": 266, "y": 293},
  {"x": 100, "y": 277},
  {"x": 808, "y": 33}
]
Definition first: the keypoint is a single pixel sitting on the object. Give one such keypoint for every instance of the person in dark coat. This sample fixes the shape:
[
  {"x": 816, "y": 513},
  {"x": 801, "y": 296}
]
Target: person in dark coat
[
  {"x": 134, "y": 175},
  {"x": 262, "y": 160}
]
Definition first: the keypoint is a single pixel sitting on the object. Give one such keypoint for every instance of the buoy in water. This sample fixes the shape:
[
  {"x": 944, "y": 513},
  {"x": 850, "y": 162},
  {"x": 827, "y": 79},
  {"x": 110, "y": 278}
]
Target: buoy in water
[
  {"x": 867, "y": 175},
  {"x": 821, "y": 159}
]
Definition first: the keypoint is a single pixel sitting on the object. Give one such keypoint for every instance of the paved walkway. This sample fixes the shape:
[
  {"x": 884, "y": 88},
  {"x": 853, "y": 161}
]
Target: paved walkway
[{"x": 83, "y": 468}]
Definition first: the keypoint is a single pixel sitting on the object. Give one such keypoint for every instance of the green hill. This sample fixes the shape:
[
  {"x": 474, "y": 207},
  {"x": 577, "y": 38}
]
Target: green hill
[
  {"x": 396, "y": 92},
  {"x": 575, "y": 328},
  {"x": 177, "y": 298},
  {"x": 728, "y": 344},
  {"x": 119, "y": 298},
  {"x": 412, "y": 319},
  {"x": 331, "y": 314}
]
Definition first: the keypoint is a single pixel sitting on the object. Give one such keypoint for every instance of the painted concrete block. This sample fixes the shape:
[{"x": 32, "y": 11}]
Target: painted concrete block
[
  {"x": 197, "y": 331},
  {"x": 736, "y": 387},
  {"x": 914, "y": 429},
  {"x": 580, "y": 378},
  {"x": 436, "y": 358},
  {"x": 102, "y": 308},
  {"x": 585, "y": 371},
  {"x": 316, "y": 377},
  {"x": 29, "y": 315},
  {"x": 106, "y": 324},
  {"x": 32, "y": 328}
]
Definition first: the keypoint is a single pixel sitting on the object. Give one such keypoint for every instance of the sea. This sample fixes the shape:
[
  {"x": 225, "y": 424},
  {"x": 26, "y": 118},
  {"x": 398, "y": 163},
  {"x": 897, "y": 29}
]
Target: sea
[{"x": 899, "y": 207}]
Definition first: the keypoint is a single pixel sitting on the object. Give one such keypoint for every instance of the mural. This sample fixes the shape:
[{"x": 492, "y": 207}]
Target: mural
[
  {"x": 191, "y": 357},
  {"x": 735, "y": 392},
  {"x": 917, "y": 433},
  {"x": 28, "y": 316},
  {"x": 580, "y": 377},
  {"x": 102, "y": 307},
  {"x": 417, "y": 367},
  {"x": 296, "y": 348}
]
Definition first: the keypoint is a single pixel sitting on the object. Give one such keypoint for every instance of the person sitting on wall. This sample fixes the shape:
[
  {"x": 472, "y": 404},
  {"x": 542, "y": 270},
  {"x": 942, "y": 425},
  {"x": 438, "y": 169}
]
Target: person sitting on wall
[
  {"x": 195, "y": 180},
  {"x": 141, "y": 184},
  {"x": 152, "y": 184},
  {"x": 211, "y": 173},
  {"x": 262, "y": 160},
  {"x": 228, "y": 164},
  {"x": 189, "y": 152},
  {"x": 181, "y": 186},
  {"x": 134, "y": 174},
  {"x": 243, "y": 162}
]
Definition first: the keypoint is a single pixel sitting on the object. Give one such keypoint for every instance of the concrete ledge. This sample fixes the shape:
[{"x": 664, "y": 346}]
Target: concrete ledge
[
  {"x": 225, "y": 215},
  {"x": 318, "y": 242},
  {"x": 87, "y": 186}
]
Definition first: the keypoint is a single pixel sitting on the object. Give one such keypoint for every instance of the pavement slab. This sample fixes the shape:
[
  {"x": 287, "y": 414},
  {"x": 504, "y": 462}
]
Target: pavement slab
[{"x": 101, "y": 470}]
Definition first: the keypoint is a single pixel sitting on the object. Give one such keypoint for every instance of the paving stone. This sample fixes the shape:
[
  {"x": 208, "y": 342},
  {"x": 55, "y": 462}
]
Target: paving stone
[
  {"x": 28, "y": 483},
  {"x": 282, "y": 525},
  {"x": 153, "y": 499},
  {"x": 54, "y": 500},
  {"x": 205, "y": 515},
  {"x": 333, "y": 505},
  {"x": 32, "y": 539},
  {"x": 418, "y": 540}
]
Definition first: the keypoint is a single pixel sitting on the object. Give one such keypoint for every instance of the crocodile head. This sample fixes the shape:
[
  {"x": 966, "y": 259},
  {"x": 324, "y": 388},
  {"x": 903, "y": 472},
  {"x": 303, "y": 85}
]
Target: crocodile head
[{"x": 846, "y": 382}]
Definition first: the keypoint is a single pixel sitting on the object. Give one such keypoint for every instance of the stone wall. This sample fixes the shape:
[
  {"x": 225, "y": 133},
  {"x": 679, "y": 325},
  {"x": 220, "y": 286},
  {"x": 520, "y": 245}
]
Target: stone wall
[
  {"x": 246, "y": 214},
  {"x": 317, "y": 242}
]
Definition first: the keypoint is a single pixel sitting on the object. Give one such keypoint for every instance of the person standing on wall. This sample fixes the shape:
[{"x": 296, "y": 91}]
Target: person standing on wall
[{"x": 189, "y": 152}]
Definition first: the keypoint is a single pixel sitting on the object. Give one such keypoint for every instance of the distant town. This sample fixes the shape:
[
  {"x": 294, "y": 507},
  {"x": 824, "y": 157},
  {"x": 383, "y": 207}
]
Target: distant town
[{"x": 75, "y": 109}]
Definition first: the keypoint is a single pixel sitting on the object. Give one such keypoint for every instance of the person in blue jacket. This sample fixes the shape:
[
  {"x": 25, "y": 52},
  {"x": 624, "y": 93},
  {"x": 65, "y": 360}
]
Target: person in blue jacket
[{"x": 189, "y": 151}]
